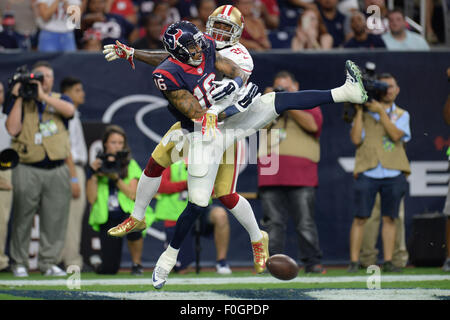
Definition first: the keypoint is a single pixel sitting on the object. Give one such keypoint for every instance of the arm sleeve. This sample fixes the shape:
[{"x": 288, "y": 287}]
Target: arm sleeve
[
  {"x": 402, "y": 123},
  {"x": 318, "y": 118},
  {"x": 165, "y": 81}
]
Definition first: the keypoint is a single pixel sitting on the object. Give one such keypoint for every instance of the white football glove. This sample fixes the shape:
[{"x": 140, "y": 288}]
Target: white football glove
[
  {"x": 119, "y": 50},
  {"x": 223, "y": 89}
]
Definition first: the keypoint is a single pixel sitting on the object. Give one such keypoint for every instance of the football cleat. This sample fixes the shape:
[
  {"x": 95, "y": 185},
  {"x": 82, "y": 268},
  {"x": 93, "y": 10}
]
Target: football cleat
[
  {"x": 131, "y": 224},
  {"x": 354, "y": 87},
  {"x": 261, "y": 252},
  {"x": 162, "y": 269}
]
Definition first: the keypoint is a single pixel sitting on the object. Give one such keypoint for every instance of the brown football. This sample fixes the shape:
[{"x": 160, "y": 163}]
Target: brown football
[{"x": 282, "y": 267}]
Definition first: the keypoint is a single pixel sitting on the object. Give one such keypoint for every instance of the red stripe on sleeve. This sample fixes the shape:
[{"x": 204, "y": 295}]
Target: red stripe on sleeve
[{"x": 168, "y": 75}]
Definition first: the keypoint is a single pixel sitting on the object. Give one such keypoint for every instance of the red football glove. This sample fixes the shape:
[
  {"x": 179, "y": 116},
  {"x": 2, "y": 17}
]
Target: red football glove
[{"x": 119, "y": 50}]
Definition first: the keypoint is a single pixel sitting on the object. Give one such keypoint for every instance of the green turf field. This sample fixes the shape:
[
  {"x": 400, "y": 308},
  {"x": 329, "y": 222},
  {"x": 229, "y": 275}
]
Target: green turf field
[{"x": 412, "y": 283}]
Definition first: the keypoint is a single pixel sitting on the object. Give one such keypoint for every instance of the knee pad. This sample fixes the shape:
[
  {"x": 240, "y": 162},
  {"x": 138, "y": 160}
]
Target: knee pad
[
  {"x": 153, "y": 169},
  {"x": 199, "y": 197}
]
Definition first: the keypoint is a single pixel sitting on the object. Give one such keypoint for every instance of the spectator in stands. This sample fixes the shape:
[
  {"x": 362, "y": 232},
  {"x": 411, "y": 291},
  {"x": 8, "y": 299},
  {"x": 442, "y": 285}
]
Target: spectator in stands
[
  {"x": 269, "y": 12},
  {"x": 399, "y": 38},
  {"x": 254, "y": 36},
  {"x": 92, "y": 40},
  {"x": 376, "y": 14},
  {"x": 41, "y": 180},
  {"x": 311, "y": 33},
  {"x": 25, "y": 25},
  {"x": 77, "y": 161},
  {"x": 112, "y": 27},
  {"x": 290, "y": 192},
  {"x": 56, "y": 34},
  {"x": 381, "y": 166},
  {"x": 205, "y": 8},
  {"x": 429, "y": 31},
  {"x": 446, "y": 114},
  {"x": 124, "y": 8},
  {"x": 304, "y": 4},
  {"x": 166, "y": 9},
  {"x": 153, "y": 31},
  {"x": 111, "y": 195},
  {"x": 8, "y": 37},
  {"x": 361, "y": 38},
  {"x": 5, "y": 187},
  {"x": 334, "y": 21},
  {"x": 171, "y": 201}
]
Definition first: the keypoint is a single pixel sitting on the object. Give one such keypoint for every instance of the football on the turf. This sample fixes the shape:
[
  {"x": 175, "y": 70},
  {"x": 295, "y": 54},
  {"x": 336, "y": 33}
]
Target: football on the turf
[{"x": 282, "y": 267}]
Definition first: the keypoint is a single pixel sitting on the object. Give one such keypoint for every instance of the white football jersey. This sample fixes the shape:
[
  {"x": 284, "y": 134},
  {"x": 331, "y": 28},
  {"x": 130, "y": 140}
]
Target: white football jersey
[{"x": 239, "y": 55}]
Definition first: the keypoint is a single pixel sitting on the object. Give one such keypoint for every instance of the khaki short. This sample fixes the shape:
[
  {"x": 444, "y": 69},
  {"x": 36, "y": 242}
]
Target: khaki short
[{"x": 227, "y": 174}]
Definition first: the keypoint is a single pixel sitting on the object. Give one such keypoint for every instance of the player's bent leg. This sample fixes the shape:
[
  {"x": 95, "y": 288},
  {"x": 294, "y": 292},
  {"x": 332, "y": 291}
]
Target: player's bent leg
[{"x": 168, "y": 258}]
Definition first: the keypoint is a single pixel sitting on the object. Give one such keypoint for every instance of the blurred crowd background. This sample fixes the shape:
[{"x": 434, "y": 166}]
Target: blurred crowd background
[{"x": 269, "y": 24}]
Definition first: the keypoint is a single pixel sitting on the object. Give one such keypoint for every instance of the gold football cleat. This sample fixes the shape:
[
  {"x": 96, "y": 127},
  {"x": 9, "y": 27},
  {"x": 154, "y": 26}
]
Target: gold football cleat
[
  {"x": 261, "y": 252},
  {"x": 129, "y": 225}
]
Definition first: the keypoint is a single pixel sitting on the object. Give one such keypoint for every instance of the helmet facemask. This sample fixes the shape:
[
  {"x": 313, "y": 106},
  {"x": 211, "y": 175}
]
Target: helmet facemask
[
  {"x": 194, "y": 48},
  {"x": 223, "y": 38}
]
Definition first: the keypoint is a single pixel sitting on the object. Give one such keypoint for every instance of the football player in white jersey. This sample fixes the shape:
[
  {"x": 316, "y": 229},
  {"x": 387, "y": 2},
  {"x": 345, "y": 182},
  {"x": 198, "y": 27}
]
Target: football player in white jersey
[
  {"x": 225, "y": 25},
  {"x": 263, "y": 110}
]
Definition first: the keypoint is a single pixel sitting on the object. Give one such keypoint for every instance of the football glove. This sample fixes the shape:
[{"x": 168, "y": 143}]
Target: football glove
[
  {"x": 247, "y": 96},
  {"x": 119, "y": 50},
  {"x": 223, "y": 88},
  {"x": 209, "y": 123}
]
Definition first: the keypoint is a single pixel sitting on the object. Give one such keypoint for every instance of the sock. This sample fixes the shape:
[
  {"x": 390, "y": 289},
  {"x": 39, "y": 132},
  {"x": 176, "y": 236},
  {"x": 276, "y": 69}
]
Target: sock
[
  {"x": 243, "y": 213},
  {"x": 339, "y": 94},
  {"x": 184, "y": 223},
  {"x": 302, "y": 100},
  {"x": 222, "y": 262},
  {"x": 171, "y": 252},
  {"x": 146, "y": 190}
]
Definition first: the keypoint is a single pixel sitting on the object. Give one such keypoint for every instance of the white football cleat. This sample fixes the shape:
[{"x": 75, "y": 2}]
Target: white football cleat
[
  {"x": 20, "y": 271},
  {"x": 223, "y": 269},
  {"x": 353, "y": 89},
  {"x": 162, "y": 269}
]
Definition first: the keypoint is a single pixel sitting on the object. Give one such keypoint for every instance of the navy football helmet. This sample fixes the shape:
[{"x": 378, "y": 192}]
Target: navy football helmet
[{"x": 183, "y": 41}]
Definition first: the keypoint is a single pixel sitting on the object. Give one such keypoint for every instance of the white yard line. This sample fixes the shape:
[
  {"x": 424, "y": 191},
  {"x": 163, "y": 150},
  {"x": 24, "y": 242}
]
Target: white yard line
[{"x": 221, "y": 280}]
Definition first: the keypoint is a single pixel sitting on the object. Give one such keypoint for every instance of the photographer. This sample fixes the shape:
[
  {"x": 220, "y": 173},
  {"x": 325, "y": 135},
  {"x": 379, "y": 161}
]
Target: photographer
[
  {"x": 379, "y": 132},
  {"x": 5, "y": 187},
  {"x": 111, "y": 191},
  {"x": 291, "y": 192},
  {"x": 38, "y": 122}
]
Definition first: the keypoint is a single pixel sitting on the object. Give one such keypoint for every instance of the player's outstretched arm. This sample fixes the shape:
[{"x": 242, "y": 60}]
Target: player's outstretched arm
[
  {"x": 152, "y": 58},
  {"x": 121, "y": 51},
  {"x": 229, "y": 68},
  {"x": 186, "y": 103}
]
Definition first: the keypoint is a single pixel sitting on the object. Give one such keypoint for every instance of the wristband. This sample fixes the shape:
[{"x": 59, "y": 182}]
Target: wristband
[
  {"x": 74, "y": 180},
  {"x": 239, "y": 81}
]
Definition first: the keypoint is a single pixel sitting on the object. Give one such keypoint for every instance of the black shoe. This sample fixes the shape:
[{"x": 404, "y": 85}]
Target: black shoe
[
  {"x": 137, "y": 270},
  {"x": 389, "y": 267},
  {"x": 316, "y": 268},
  {"x": 353, "y": 267}
]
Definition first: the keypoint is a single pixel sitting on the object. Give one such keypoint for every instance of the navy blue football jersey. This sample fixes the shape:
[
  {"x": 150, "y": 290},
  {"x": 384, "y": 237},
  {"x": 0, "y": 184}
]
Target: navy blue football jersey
[{"x": 172, "y": 74}]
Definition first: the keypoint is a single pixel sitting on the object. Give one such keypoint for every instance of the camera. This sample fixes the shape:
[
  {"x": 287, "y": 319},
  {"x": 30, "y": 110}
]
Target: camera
[
  {"x": 375, "y": 89},
  {"x": 112, "y": 163},
  {"x": 28, "y": 90}
]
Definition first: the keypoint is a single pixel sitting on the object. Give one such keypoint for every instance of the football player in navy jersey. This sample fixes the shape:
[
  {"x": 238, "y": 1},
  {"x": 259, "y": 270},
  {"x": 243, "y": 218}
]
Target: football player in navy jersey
[{"x": 260, "y": 111}]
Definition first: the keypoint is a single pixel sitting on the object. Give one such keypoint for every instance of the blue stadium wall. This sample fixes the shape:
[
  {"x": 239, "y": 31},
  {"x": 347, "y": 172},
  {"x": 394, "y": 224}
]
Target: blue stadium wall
[{"x": 129, "y": 98}]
